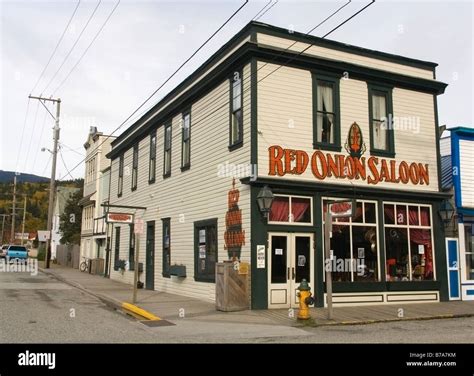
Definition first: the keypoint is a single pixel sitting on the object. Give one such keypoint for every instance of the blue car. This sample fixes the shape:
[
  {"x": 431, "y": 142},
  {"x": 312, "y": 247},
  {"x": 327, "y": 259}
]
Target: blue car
[{"x": 17, "y": 252}]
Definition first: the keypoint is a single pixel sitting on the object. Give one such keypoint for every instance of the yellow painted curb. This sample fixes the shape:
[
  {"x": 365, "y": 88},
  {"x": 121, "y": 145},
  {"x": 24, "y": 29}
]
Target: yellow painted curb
[{"x": 139, "y": 311}]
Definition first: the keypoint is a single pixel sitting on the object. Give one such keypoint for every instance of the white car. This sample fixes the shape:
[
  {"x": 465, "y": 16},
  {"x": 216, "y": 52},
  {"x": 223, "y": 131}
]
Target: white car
[{"x": 3, "y": 251}]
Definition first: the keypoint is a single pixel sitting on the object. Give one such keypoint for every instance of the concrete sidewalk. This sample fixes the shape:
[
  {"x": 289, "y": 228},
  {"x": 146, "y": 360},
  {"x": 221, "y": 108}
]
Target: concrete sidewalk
[{"x": 175, "y": 307}]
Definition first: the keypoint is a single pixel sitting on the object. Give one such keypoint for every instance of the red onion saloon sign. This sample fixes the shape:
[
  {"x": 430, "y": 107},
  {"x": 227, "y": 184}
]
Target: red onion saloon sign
[{"x": 342, "y": 166}]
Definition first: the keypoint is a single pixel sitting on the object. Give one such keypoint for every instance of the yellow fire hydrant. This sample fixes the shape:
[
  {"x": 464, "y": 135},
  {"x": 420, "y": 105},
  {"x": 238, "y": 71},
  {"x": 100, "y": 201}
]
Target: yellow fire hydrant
[{"x": 305, "y": 300}]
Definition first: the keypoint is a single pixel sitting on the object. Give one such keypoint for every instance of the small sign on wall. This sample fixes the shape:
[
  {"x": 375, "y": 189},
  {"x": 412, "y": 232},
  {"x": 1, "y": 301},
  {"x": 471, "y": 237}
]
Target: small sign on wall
[{"x": 260, "y": 257}]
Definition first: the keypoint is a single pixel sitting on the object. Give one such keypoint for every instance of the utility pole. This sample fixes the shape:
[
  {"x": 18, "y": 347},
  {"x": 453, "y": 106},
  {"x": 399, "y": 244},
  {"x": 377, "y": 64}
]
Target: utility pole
[
  {"x": 52, "y": 182},
  {"x": 23, "y": 222},
  {"x": 12, "y": 233},
  {"x": 3, "y": 224}
]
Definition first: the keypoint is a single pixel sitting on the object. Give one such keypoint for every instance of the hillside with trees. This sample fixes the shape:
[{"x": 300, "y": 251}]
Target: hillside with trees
[{"x": 37, "y": 197}]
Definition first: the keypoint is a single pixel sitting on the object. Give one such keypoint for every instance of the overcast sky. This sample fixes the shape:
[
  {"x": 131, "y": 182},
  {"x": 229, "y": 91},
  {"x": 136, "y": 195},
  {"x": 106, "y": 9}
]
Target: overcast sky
[{"x": 144, "y": 42}]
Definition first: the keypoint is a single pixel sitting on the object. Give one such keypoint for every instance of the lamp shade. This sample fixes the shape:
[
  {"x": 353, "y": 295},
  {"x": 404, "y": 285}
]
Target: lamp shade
[{"x": 265, "y": 199}]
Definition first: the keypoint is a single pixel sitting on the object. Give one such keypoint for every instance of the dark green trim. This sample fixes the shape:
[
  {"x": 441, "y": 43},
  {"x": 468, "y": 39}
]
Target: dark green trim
[
  {"x": 259, "y": 27},
  {"x": 381, "y": 239},
  {"x": 135, "y": 166},
  {"x": 197, "y": 225},
  {"x": 259, "y": 285},
  {"x": 167, "y": 174},
  {"x": 354, "y": 71},
  {"x": 318, "y": 258},
  {"x": 253, "y": 112},
  {"x": 152, "y": 178},
  {"x": 116, "y": 245},
  {"x": 120, "y": 182},
  {"x": 165, "y": 272},
  {"x": 440, "y": 252},
  {"x": 339, "y": 287},
  {"x": 347, "y": 189},
  {"x": 334, "y": 81},
  {"x": 186, "y": 166},
  {"x": 240, "y": 142},
  {"x": 387, "y": 91},
  {"x": 438, "y": 136}
]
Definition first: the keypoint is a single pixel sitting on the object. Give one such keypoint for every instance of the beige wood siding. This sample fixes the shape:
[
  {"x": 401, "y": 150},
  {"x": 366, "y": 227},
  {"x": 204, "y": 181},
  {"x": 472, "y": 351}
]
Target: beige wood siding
[
  {"x": 332, "y": 54},
  {"x": 285, "y": 119},
  {"x": 193, "y": 195}
]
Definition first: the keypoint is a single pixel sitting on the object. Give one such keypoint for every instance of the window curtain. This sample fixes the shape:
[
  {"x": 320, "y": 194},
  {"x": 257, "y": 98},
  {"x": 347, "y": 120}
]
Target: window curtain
[
  {"x": 423, "y": 237},
  {"x": 379, "y": 111},
  {"x": 325, "y": 105},
  {"x": 280, "y": 210},
  {"x": 298, "y": 209}
]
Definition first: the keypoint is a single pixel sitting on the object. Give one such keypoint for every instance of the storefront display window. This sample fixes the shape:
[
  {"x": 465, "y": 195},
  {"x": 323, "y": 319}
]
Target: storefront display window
[
  {"x": 469, "y": 245},
  {"x": 408, "y": 242},
  {"x": 355, "y": 245}
]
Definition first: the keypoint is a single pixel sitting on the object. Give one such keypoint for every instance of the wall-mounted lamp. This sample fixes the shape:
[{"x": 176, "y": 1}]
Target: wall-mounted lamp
[
  {"x": 446, "y": 212},
  {"x": 265, "y": 199}
]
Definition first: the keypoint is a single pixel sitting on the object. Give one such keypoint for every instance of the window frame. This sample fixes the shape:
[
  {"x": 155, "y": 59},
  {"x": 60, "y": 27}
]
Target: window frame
[
  {"x": 289, "y": 211},
  {"x": 335, "y": 82},
  {"x": 387, "y": 91},
  {"x": 185, "y": 166},
  {"x": 152, "y": 158},
  {"x": 134, "y": 167},
  {"x": 233, "y": 145},
  {"x": 408, "y": 226},
  {"x": 351, "y": 223},
  {"x": 165, "y": 222},
  {"x": 120, "y": 175},
  {"x": 212, "y": 222},
  {"x": 116, "y": 247},
  {"x": 167, "y": 125}
]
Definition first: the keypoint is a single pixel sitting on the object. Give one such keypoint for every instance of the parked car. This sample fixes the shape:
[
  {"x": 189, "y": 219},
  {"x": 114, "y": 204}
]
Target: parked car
[
  {"x": 3, "y": 251},
  {"x": 17, "y": 252}
]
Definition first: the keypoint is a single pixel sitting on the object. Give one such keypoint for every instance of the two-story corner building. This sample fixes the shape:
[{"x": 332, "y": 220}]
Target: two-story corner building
[
  {"x": 96, "y": 193},
  {"x": 313, "y": 120},
  {"x": 457, "y": 162},
  {"x": 63, "y": 194}
]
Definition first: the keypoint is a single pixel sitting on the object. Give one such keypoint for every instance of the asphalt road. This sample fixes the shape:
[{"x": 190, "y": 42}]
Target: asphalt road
[{"x": 41, "y": 309}]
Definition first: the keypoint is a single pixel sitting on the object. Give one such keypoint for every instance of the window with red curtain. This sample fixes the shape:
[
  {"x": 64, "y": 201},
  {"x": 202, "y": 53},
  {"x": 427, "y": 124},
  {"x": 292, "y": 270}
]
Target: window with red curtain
[
  {"x": 408, "y": 237},
  {"x": 290, "y": 209}
]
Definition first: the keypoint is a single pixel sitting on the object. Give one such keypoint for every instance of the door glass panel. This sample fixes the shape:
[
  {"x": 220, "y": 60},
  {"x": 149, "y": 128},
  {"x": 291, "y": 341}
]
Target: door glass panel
[
  {"x": 302, "y": 258},
  {"x": 279, "y": 259}
]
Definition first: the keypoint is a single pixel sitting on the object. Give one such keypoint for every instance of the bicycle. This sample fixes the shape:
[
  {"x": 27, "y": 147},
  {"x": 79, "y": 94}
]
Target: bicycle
[{"x": 84, "y": 266}]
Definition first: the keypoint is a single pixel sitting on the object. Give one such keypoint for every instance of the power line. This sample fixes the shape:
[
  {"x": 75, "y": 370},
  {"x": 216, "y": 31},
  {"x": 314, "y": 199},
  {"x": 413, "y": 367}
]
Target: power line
[
  {"x": 73, "y": 46},
  {"x": 64, "y": 163},
  {"x": 261, "y": 15},
  {"x": 56, "y": 48},
  {"x": 261, "y": 10},
  {"x": 169, "y": 78},
  {"x": 71, "y": 149},
  {"x": 89, "y": 46},
  {"x": 244, "y": 91}
]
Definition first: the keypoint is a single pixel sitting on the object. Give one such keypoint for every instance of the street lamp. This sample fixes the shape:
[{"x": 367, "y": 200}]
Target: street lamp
[
  {"x": 265, "y": 199},
  {"x": 446, "y": 212}
]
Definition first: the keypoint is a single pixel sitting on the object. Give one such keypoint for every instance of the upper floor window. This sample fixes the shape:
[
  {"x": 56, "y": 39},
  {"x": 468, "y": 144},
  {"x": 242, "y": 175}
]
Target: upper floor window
[
  {"x": 326, "y": 116},
  {"x": 167, "y": 151},
  {"x": 135, "y": 167},
  {"x": 186, "y": 141},
  {"x": 152, "y": 164},
  {"x": 120, "y": 176},
  {"x": 236, "y": 115},
  {"x": 380, "y": 113}
]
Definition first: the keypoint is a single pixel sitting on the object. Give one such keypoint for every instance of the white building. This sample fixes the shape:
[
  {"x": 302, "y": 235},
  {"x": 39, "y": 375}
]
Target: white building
[
  {"x": 96, "y": 186},
  {"x": 63, "y": 194}
]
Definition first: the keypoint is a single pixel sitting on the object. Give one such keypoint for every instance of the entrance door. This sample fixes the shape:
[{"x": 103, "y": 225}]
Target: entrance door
[
  {"x": 453, "y": 268},
  {"x": 290, "y": 259},
  {"x": 150, "y": 256}
]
